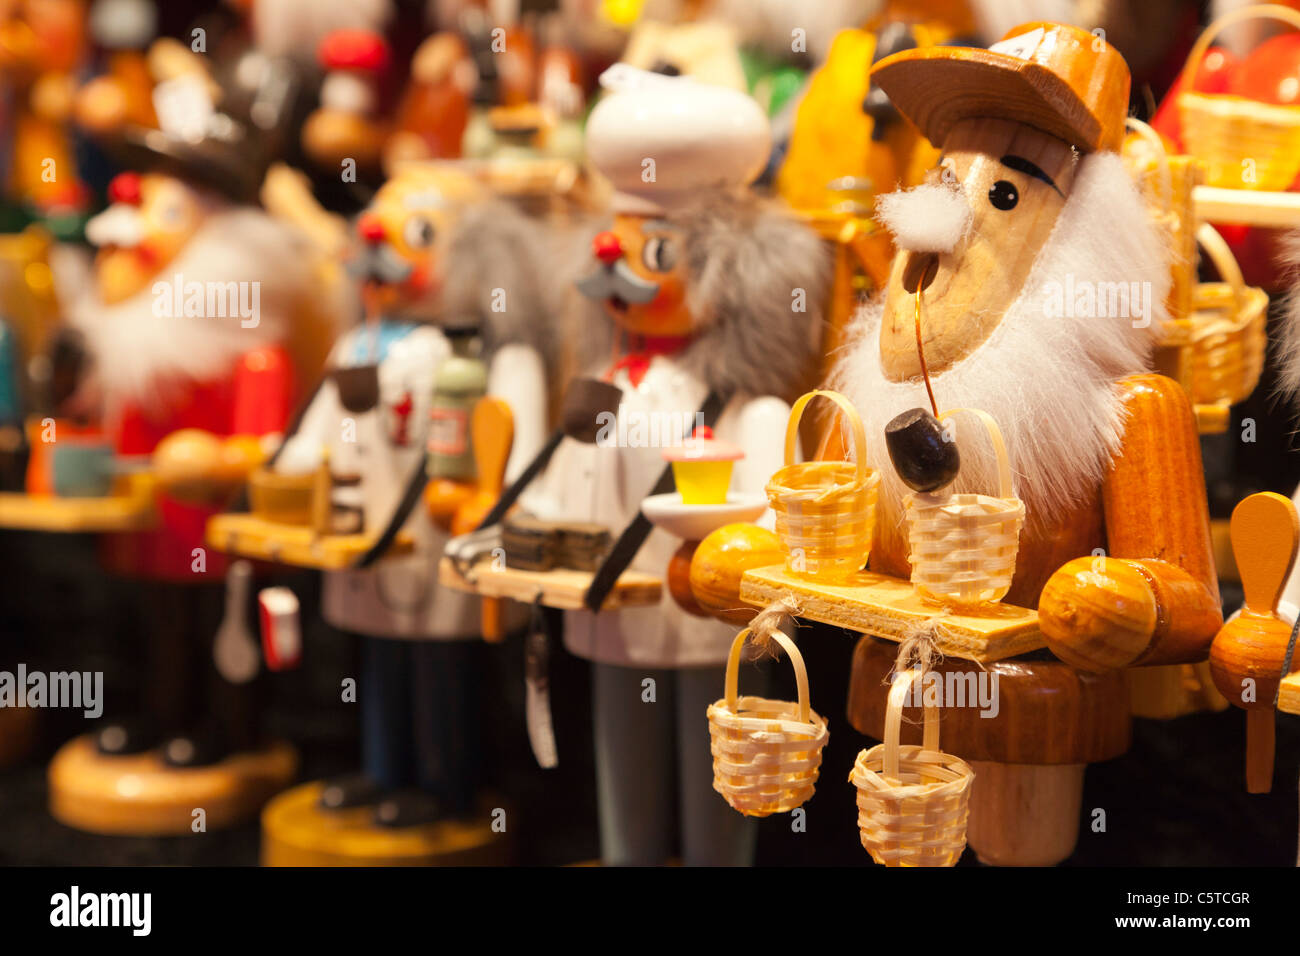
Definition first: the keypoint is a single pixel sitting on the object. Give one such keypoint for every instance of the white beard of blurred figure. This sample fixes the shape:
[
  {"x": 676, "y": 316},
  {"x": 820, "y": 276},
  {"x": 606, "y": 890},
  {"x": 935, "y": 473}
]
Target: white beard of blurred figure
[
  {"x": 1048, "y": 380},
  {"x": 140, "y": 346},
  {"x": 770, "y": 24},
  {"x": 995, "y": 18},
  {"x": 295, "y": 28}
]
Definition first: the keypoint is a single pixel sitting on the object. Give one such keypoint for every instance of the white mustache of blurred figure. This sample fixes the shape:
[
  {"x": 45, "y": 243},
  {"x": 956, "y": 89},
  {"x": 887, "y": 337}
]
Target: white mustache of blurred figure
[
  {"x": 928, "y": 218},
  {"x": 118, "y": 225}
]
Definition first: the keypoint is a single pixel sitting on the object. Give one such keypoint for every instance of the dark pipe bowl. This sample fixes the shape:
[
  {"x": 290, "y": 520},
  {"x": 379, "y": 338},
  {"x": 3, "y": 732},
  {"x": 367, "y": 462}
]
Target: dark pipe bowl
[
  {"x": 584, "y": 402},
  {"x": 922, "y": 456}
]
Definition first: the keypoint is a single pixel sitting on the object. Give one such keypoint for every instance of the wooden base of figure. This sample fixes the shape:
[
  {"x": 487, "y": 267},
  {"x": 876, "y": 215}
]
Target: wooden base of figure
[
  {"x": 139, "y": 795},
  {"x": 1027, "y": 726},
  {"x": 18, "y": 728},
  {"x": 1024, "y": 814},
  {"x": 297, "y": 832}
]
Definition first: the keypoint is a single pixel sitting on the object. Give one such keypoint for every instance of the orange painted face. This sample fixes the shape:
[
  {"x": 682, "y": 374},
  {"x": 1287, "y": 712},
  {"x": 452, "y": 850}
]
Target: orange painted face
[
  {"x": 640, "y": 277},
  {"x": 142, "y": 232},
  {"x": 407, "y": 231}
]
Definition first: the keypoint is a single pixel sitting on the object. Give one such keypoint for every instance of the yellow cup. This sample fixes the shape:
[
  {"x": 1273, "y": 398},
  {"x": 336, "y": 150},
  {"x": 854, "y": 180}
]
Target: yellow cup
[{"x": 703, "y": 482}]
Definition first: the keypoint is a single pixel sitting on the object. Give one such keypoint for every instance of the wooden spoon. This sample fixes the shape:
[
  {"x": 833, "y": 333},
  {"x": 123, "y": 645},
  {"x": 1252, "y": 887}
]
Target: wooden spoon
[
  {"x": 492, "y": 433},
  {"x": 1249, "y": 652}
]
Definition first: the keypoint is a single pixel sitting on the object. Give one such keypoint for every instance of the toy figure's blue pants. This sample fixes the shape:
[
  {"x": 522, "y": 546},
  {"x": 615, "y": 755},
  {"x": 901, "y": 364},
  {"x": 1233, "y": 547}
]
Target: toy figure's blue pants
[
  {"x": 419, "y": 717},
  {"x": 653, "y": 768}
]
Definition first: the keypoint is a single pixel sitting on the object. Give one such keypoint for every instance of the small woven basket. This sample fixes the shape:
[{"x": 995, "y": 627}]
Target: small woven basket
[
  {"x": 1226, "y": 329},
  {"x": 913, "y": 802},
  {"x": 963, "y": 547},
  {"x": 766, "y": 753},
  {"x": 825, "y": 510},
  {"x": 1226, "y": 131}
]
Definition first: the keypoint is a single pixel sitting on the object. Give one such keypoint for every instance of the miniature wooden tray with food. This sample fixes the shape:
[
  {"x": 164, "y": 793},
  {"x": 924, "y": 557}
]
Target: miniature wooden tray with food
[
  {"x": 250, "y": 536},
  {"x": 563, "y": 588},
  {"x": 129, "y": 508}
]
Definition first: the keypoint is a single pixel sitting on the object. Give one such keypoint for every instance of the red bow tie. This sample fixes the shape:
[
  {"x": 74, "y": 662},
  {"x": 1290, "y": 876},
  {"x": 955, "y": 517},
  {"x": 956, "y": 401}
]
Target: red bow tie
[{"x": 638, "y": 363}]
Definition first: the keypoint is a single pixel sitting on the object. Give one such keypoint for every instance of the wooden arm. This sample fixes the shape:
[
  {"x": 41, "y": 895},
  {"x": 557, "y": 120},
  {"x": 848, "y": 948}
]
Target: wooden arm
[{"x": 1155, "y": 598}]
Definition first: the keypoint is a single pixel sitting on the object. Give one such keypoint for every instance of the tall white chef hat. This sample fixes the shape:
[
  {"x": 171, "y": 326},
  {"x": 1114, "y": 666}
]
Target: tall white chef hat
[{"x": 664, "y": 141}]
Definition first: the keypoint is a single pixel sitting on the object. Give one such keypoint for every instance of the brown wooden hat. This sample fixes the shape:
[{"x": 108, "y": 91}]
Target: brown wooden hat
[{"x": 1060, "y": 79}]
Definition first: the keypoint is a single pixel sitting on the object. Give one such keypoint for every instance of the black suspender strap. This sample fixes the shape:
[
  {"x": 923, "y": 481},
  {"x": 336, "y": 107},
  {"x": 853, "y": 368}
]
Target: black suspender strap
[{"x": 634, "y": 535}]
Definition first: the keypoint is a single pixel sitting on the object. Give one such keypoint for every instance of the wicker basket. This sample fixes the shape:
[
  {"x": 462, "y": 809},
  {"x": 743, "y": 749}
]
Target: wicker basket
[
  {"x": 1226, "y": 330},
  {"x": 766, "y": 753},
  {"x": 1244, "y": 144},
  {"x": 913, "y": 802},
  {"x": 825, "y": 510},
  {"x": 963, "y": 547}
]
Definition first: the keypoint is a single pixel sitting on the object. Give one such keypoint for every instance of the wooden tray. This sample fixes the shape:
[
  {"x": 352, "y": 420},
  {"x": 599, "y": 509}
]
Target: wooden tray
[
  {"x": 131, "y": 508},
  {"x": 888, "y": 607},
  {"x": 1288, "y": 694},
  {"x": 562, "y": 588},
  {"x": 249, "y": 536}
]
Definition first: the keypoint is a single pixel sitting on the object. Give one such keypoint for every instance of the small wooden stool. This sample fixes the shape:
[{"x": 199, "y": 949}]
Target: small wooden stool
[
  {"x": 1052, "y": 721},
  {"x": 297, "y": 832},
  {"x": 139, "y": 795}
]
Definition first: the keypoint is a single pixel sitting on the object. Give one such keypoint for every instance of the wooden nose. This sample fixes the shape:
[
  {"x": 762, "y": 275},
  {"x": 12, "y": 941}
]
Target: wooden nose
[{"x": 920, "y": 270}]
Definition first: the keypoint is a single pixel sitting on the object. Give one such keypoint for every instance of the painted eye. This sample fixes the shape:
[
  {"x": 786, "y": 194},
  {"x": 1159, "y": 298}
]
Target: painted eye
[
  {"x": 1004, "y": 195},
  {"x": 659, "y": 255},
  {"x": 418, "y": 232},
  {"x": 171, "y": 215}
]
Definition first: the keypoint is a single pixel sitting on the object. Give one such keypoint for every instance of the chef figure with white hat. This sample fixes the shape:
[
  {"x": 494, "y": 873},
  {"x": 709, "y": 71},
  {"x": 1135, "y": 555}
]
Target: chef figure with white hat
[{"x": 716, "y": 295}]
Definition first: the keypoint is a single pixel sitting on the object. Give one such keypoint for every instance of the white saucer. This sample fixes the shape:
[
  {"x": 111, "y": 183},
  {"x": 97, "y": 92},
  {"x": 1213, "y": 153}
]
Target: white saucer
[{"x": 693, "y": 522}]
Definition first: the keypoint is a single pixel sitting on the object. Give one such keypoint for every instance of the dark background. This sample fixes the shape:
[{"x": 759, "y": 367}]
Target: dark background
[{"x": 1177, "y": 797}]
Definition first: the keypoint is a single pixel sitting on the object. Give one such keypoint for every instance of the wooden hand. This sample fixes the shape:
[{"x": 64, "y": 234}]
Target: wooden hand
[{"x": 1154, "y": 599}]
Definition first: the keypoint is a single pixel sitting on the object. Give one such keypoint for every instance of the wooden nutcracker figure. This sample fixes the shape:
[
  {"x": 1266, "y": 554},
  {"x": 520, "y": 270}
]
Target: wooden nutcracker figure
[
  {"x": 206, "y": 318},
  {"x": 454, "y": 304},
  {"x": 715, "y": 295},
  {"x": 1041, "y": 282}
]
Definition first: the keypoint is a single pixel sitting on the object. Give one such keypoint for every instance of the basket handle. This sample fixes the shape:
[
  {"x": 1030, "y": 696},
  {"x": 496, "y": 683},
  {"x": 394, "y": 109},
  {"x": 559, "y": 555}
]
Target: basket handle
[
  {"x": 999, "y": 447},
  {"x": 800, "y": 672},
  {"x": 851, "y": 413},
  {"x": 1162, "y": 155},
  {"x": 1273, "y": 11},
  {"x": 1224, "y": 261},
  {"x": 898, "y": 691}
]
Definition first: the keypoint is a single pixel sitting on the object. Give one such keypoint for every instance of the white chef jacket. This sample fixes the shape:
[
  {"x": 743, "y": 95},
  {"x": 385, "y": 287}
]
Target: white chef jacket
[
  {"x": 400, "y": 597},
  {"x": 605, "y": 484}
]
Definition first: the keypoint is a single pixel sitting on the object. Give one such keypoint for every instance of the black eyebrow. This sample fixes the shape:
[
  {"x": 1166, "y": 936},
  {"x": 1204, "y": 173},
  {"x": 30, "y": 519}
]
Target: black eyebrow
[{"x": 1022, "y": 165}]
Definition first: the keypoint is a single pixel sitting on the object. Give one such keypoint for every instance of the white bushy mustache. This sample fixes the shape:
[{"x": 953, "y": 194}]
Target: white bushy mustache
[
  {"x": 933, "y": 218},
  {"x": 118, "y": 225}
]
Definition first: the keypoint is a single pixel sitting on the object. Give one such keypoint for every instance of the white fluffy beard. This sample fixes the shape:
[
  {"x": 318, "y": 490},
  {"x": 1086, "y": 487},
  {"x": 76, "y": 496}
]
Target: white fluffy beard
[
  {"x": 137, "y": 355},
  {"x": 1050, "y": 383},
  {"x": 295, "y": 28}
]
